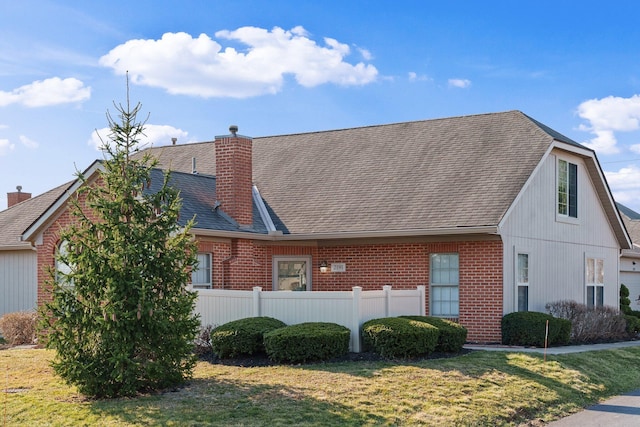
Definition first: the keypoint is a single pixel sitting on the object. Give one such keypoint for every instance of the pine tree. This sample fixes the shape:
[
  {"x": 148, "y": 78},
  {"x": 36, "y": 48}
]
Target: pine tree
[{"x": 121, "y": 318}]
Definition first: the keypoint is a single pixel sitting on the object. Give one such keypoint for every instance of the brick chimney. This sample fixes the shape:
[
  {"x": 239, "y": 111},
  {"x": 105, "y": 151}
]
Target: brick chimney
[
  {"x": 17, "y": 197},
  {"x": 234, "y": 176}
]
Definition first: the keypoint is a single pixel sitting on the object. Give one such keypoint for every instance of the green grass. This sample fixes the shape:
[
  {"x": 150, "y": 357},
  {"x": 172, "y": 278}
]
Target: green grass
[{"x": 480, "y": 388}]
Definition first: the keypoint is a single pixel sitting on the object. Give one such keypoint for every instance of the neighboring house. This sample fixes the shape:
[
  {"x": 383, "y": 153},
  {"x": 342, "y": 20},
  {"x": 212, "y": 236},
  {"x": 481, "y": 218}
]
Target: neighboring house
[
  {"x": 18, "y": 258},
  {"x": 630, "y": 258},
  {"x": 494, "y": 213}
]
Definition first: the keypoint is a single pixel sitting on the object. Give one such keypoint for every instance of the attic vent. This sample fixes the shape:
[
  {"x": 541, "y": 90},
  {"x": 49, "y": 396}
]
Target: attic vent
[
  {"x": 233, "y": 129},
  {"x": 193, "y": 166}
]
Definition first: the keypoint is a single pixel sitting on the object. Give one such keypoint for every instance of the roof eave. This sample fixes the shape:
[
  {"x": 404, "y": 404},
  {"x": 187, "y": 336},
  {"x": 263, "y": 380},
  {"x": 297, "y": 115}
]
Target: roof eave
[
  {"x": 43, "y": 220},
  {"x": 18, "y": 247},
  {"x": 277, "y": 236}
]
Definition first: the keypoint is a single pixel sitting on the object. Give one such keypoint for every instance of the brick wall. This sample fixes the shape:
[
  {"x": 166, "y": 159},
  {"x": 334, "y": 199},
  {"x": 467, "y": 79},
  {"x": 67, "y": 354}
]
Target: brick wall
[
  {"x": 242, "y": 264},
  {"x": 234, "y": 177}
]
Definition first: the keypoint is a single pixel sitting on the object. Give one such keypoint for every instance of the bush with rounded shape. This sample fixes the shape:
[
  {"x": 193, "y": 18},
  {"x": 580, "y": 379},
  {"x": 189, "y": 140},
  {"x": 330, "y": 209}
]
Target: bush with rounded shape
[
  {"x": 452, "y": 335},
  {"x": 19, "y": 327},
  {"x": 529, "y": 328},
  {"x": 243, "y": 336},
  {"x": 399, "y": 337},
  {"x": 633, "y": 325},
  {"x": 307, "y": 341}
]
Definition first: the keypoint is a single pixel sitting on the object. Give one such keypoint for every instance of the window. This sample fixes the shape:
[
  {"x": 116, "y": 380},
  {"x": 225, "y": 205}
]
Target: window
[
  {"x": 63, "y": 270},
  {"x": 567, "y": 189},
  {"x": 291, "y": 273},
  {"x": 523, "y": 282},
  {"x": 444, "y": 297},
  {"x": 595, "y": 282},
  {"x": 201, "y": 274}
]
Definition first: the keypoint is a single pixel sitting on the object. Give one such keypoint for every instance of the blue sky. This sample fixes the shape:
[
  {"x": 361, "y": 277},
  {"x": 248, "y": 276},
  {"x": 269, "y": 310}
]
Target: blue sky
[{"x": 279, "y": 67}]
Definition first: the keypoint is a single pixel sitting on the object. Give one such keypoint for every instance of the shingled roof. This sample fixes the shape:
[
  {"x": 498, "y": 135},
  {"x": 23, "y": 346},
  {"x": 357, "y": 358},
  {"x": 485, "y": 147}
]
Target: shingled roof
[
  {"x": 17, "y": 218},
  {"x": 445, "y": 173}
]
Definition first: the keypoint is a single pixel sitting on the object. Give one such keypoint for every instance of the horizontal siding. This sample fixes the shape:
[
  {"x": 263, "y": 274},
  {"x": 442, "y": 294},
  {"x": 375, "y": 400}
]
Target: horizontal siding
[
  {"x": 18, "y": 281},
  {"x": 557, "y": 248}
]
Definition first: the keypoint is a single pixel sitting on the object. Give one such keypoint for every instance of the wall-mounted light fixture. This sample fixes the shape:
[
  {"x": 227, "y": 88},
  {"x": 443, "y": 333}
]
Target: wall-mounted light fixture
[{"x": 323, "y": 266}]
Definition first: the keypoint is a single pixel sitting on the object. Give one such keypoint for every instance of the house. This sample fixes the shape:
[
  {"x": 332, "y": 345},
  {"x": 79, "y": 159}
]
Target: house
[
  {"x": 493, "y": 213},
  {"x": 18, "y": 258},
  {"x": 630, "y": 258}
]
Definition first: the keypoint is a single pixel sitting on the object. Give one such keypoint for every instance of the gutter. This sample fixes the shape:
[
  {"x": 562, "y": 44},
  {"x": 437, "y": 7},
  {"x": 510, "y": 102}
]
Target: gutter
[{"x": 279, "y": 236}]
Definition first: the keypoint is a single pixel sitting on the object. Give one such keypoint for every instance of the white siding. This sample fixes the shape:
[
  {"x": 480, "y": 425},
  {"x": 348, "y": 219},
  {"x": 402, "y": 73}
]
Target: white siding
[
  {"x": 630, "y": 277},
  {"x": 557, "y": 248},
  {"x": 18, "y": 281}
]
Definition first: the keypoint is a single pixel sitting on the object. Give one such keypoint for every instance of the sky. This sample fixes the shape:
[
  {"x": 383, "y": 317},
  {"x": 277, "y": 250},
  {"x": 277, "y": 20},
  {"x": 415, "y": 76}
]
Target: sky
[{"x": 280, "y": 67}]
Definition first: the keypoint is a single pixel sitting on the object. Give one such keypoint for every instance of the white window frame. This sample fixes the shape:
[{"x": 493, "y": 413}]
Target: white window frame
[
  {"x": 441, "y": 285},
  {"x": 517, "y": 278},
  {"x": 594, "y": 281},
  {"x": 205, "y": 284},
  {"x": 566, "y": 216},
  {"x": 292, "y": 258}
]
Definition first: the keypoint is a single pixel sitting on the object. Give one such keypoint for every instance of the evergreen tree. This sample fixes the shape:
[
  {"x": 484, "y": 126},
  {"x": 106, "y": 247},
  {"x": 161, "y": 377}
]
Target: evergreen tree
[
  {"x": 625, "y": 302},
  {"x": 121, "y": 319}
]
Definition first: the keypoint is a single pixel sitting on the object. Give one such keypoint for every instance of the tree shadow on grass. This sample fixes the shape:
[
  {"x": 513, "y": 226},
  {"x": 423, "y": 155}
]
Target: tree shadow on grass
[{"x": 233, "y": 402}]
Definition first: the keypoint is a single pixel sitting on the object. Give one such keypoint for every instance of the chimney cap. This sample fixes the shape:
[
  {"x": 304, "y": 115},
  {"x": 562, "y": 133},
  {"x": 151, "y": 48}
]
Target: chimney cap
[
  {"x": 19, "y": 188},
  {"x": 233, "y": 129}
]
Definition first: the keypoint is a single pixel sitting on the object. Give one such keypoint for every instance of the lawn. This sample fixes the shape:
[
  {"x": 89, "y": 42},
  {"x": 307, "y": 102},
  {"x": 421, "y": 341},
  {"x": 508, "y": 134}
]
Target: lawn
[{"x": 478, "y": 388}]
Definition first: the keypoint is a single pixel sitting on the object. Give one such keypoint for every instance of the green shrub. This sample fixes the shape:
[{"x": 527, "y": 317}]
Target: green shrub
[
  {"x": 625, "y": 302},
  {"x": 398, "y": 337},
  {"x": 452, "y": 335},
  {"x": 243, "y": 336},
  {"x": 307, "y": 341},
  {"x": 634, "y": 313},
  {"x": 633, "y": 325},
  {"x": 528, "y": 328},
  {"x": 18, "y": 328}
]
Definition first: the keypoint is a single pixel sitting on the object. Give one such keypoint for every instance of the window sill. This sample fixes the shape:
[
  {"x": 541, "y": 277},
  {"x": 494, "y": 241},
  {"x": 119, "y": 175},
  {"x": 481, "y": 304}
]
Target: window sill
[{"x": 567, "y": 219}]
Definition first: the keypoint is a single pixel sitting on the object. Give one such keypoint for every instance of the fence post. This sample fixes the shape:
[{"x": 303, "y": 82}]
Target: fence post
[
  {"x": 423, "y": 300},
  {"x": 256, "y": 300},
  {"x": 387, "y": 300},
  {"x": 356, "y": 317}
]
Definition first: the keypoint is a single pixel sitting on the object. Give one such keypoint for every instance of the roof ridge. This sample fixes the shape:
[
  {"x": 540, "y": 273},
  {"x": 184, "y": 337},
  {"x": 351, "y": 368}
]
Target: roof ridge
[{"x": 391, "y": 124}]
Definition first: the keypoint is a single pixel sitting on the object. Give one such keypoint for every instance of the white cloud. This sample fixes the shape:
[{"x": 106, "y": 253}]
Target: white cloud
[
  {"x": 4, "y": 126},
  {"x": 6, "y": 146},
  {"x": 29, "y": 143},
  {"x": 459, "y": 83},
  {"x": 366, "y": 54},
  {"x": 607, "y": 116},
  {"x": 625, "y": 185},
  {"x": 200, "y": 66},
  {"x": 42, "y": 93},
  {"x": 155, "y": 135},
  {"x": 415, "y": 77}
]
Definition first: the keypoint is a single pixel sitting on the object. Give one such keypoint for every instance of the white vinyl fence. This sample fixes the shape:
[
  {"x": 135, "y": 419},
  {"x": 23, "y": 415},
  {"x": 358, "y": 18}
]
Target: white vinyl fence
[{"x": 347, "y": 308}]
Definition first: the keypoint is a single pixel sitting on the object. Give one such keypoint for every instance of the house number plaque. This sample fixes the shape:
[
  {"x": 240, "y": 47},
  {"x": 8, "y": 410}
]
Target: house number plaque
[{"x": 339, "y": 267}]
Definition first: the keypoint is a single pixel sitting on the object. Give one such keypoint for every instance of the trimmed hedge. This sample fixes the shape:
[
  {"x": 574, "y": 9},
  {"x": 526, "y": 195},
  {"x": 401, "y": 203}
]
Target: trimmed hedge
[
  {"x": 243, "y": 336},
  {"x": 452, "y": 335},
  {"x": 307, "y": 341},
  {"x": 528, "y": 328},
  {"x": 399, "y": 337},
  {"x": 633, "y": 325}
]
